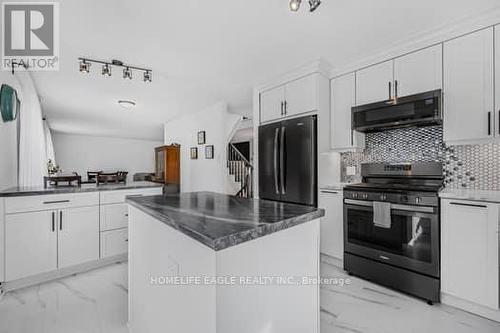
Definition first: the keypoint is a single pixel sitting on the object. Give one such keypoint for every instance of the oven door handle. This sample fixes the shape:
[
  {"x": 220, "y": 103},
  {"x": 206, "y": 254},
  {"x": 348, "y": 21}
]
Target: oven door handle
[{"x": 417, "y": 209}]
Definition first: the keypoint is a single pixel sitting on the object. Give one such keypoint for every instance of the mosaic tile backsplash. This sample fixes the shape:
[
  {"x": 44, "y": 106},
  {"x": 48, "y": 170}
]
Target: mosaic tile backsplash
[{"x": 467, "y": 166}]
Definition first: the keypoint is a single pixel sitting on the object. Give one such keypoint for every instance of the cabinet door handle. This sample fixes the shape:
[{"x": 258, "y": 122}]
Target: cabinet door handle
[
  {"x": 396, "y": 89},
  {"x": 329, "y": 192},
  {"x": 54, "y": 202},
  {"x": 60, "y": 220},
  {"x": 53, "y": 221},
  {"x": 286, "y": 106},
  {"x": 282, "y": 104},
  {"x": 489, "y": 123},
  {"x": 390, "y": 90},
  {"x": 467, "y": 205},
  {"x": 498, "y": 121}
]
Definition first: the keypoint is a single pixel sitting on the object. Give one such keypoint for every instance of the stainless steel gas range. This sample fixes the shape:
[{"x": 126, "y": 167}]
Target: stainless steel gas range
[{"x": 392, "y": 227}]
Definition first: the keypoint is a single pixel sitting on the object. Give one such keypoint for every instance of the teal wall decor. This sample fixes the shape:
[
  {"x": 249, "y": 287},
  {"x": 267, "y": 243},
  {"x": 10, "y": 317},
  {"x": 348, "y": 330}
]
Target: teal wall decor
[{"x": 9, "y": 103}]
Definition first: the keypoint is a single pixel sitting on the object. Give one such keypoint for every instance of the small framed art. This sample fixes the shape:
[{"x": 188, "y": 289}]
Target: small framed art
[
  {"x": 194, "y": 153},
  {"x": 201, "y": 137},
  {"x": 209, "y": 152}
]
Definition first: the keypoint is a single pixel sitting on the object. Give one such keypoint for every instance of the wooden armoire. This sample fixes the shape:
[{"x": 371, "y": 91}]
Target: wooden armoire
[{"x": 168, "y": 167}]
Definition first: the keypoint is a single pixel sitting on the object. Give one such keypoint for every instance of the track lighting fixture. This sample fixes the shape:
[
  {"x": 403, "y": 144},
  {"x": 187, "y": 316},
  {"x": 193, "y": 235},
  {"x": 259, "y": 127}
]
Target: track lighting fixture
[
  {"x": 127, "y": 73},
  {"x": 295, "y": 5},
  {"x": 148, "y": 76},
  {"x": 313, "y": 4},
  {"x": 106, "y": 70},
  {"x": 85, "y": 64}
]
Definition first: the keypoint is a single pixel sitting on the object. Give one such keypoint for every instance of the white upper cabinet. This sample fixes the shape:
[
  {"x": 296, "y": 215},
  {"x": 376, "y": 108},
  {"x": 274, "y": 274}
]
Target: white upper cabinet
[
  {"x": 272, "y": 104},
  {"x": 419, "y": 72},
  {"x": 468, "y": 87},
  {"x": 292, "y": 98},
  {"x": 374, "y": 84},
  {"x": 343, "y": 98},
  {"x": 469, "y": 251},
  {"x": 301, "y": 95}
]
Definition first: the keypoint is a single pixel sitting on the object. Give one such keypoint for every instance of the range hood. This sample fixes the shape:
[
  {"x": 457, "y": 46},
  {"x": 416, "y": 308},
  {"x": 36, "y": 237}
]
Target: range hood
[{"x": 416, "y": 110}]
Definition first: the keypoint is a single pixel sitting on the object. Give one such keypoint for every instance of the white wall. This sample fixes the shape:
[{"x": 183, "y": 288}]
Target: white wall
[
  {"x": 203, "y": 174},
  {"x": 81, "y": 153},
  {"x": 8, "y": 141}
]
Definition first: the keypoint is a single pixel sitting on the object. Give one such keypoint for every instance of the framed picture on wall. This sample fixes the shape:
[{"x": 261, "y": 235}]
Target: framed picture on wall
[
  {"x": 209, "y": 152},
  {"x": 194, "y": 153},
  {"x": 201, "y": 138}
]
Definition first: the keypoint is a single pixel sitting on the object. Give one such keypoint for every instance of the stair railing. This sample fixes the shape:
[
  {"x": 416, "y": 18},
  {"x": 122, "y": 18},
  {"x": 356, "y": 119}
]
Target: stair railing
[{"x": 242, "y": 170}]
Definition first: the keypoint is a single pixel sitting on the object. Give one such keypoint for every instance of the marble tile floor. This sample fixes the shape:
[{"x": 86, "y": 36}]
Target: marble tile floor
[
  {"x": 96, "y": 301},
  {"x": 364, "y": 307}
]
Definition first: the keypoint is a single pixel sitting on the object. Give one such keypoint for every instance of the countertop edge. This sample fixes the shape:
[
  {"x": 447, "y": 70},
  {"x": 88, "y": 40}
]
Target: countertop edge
[
  {"x": 74, "y": 190},
  {"x": 235, "y": 239},
  {"x": 472, "y": 196}
]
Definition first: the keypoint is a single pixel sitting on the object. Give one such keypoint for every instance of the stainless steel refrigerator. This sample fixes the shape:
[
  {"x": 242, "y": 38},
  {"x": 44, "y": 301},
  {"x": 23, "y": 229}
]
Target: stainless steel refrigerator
[{"x": 288, "y": 161}]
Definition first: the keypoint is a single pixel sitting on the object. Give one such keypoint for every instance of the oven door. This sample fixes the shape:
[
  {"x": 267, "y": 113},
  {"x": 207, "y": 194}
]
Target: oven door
[{"x": 411, "y": 241}]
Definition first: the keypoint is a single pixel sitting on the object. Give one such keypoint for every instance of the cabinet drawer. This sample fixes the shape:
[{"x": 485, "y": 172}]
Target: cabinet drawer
[
  {"x": 114, "y": 242},
  {"x": 50, "y": 202},
  {"x": 109, "y": 197},
  {"x": 114, "y": 216}
]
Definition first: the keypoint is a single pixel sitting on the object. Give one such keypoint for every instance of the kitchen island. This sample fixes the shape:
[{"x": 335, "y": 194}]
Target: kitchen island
[{"x": 208, "y": 262}]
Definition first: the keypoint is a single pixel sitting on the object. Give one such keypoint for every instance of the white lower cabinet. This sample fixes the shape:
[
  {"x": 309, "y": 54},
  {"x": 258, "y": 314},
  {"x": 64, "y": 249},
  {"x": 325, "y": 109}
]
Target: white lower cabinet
[
  {"x": 51, "y": 233},
  {"x": 114, "y": 216},
  {"x": 78, "y": 236},
  {"x": 332, "y": 224},
  {"x": 114, "y": 242},
  {"x": 30, "y": 244},
  {"x": 469, "y": 251}
]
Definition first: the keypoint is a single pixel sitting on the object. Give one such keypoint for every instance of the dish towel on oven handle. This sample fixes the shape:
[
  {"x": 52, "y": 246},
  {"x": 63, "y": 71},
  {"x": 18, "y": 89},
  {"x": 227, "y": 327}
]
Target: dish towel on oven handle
[{"x": 382, "y": 214}]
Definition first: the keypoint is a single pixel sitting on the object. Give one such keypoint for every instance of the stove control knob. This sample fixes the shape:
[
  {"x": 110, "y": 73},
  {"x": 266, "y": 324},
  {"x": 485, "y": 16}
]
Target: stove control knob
[
  {"x": 383, "y": 197},
  {"x": 354, "y": 195},
  {"x": 365, "y": 196},
  {"x": 404, "y": 198},
  {"x": 418, "y": 200}
]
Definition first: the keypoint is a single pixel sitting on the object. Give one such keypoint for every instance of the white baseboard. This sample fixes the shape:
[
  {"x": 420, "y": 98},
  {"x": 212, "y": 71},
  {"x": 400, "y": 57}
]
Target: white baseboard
[
  {"x": 471, "y": 307},
  {"x": 337, "y": 262},
  {"x": 61, "y": 273}
]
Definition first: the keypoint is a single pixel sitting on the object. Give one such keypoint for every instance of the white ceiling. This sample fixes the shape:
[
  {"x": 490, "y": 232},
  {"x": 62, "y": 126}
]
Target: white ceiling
[{"x": 204, "y": 51}]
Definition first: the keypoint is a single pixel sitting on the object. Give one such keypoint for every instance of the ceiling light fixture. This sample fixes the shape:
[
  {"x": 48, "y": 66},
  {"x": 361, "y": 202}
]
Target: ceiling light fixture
[
  {"x": 106, "y": 70},
  {"x": 84, "y": 66},
  {"x": 128, "y": 105},
  {"x": 148, "y": 76},
  {"x": 314, "y": 4},
  {"x": 127, "y": 73},
  {"x": 295, "y": 5},
  {"x": 85, "y": 63}
]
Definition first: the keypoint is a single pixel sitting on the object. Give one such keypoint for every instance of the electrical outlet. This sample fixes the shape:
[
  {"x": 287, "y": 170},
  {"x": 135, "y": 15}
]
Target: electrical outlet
[{"x": 351, "y": 171}]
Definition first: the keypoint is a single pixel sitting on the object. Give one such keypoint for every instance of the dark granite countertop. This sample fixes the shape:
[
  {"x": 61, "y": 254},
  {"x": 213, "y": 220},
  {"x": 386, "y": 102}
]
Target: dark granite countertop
[
  {"x": 221, "y": 221},
  {"x": 27, "y": 191}
]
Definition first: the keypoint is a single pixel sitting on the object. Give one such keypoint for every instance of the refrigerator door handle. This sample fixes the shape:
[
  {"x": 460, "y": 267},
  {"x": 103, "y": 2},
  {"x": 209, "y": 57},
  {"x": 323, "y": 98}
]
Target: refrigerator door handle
[
  {"x": 282, "y": 160},
  {"x": 276, "y": 134}
]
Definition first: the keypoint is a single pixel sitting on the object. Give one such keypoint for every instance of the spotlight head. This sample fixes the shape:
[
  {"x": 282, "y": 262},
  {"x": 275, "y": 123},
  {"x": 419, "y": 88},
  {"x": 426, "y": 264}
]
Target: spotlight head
[
  {"x": 106, "y": 70},
  {"x": 314, "y": 4},
  {"x": 127, "y": 73},
  {"x": 84, "y": 66},
  {"x": 148, "y": 76},
  {"x": 295, "y": 5}
]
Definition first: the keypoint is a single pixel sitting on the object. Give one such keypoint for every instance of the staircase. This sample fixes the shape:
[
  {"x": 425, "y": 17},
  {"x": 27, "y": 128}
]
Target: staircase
[{"x": 242, "y": 170}]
